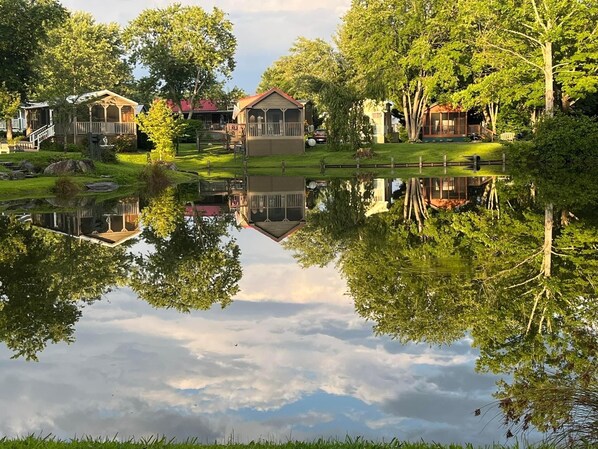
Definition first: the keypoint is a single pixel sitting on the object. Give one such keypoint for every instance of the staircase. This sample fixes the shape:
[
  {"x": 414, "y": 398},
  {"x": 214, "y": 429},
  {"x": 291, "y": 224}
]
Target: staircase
[{"x": 41, "y": 134}]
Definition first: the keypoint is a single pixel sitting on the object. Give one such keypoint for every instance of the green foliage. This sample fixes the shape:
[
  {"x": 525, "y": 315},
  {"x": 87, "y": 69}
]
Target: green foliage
[
  {"x": 194, "y": 266},
  {"x": 185, "y": 49},
  {"x": 561, "y": 160},
  {"x": 125, "y": 144},
  {"x": 43, "y": 279},
  {"x": 65, "y": 188},
  {"x": 403, "y": 51},
  {"x": 162, "y": 127},
  {"x": 23, "y": 26}
]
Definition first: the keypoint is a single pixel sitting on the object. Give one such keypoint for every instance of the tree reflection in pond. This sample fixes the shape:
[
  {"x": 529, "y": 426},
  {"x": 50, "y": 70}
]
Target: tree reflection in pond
[
  {"x": 44, "y": 280},
  {"x": 195, "y": 262},
  {"x": 469, "y": 272}
]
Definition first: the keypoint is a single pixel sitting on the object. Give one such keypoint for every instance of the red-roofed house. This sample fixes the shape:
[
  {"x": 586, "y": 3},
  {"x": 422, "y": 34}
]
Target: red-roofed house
[
  {"x": 213, "y": 116},
  {"x": 273, "y": 123}
]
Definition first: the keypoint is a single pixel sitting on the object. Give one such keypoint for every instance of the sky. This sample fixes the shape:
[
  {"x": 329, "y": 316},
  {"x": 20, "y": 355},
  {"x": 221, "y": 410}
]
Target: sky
[
  {"x": 265, "y": 29},
  {"x": 288, "y": 359}
]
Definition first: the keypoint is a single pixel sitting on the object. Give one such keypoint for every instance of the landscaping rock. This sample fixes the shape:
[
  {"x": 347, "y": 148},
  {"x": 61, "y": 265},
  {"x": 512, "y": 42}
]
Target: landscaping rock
[
  {"x": 69, "y": 167},
  {"x": 103, "y": 186},
  {"x": 4, "y": 176},
  {"x": 17, "y": 174},
  {"x": 27, "y": 166}
]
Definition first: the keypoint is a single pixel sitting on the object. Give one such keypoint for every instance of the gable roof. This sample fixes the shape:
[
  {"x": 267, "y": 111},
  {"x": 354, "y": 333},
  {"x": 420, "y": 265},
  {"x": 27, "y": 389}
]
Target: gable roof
[{"x": 249, "y": 102}]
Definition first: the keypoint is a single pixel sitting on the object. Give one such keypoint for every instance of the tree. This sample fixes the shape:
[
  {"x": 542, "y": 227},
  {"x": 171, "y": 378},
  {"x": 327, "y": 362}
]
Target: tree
[
  {"x": 162, "y": 128},
  {"x": 24, "y": 25},
  {"x": 293, "y": 73},
  {"x": 556, "y": 38},
  {"x": 77, "y": 58},
  {"x": 185, "y": 49},
  {"x": 404, "y": 52},
  {"x": 10, "y": 103}
]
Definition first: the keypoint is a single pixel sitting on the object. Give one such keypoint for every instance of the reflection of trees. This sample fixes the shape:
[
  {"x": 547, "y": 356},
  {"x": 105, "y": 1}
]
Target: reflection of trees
[
  {"x": 468, "y": 272},
  {"x": 334, "y": 224},
  {"x": 44, "y": 278},
  {"x": 193, "y": 267}
]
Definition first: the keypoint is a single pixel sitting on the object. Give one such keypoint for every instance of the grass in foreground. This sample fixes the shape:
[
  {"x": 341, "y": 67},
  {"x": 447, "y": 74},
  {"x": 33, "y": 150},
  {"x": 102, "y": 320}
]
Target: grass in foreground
[{"x": 158, "y": 443}]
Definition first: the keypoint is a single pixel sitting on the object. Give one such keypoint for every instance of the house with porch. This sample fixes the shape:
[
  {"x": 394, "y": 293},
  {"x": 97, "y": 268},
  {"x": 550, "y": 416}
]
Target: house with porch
[
  {"x": 270, "y": 123},
  {"x": 102, "y": 112},
  {"x": 444, "y": 123}
]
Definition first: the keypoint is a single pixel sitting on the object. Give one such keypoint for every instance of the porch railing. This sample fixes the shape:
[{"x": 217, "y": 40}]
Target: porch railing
[
  {"x": 275, "y": 129},
  {"x": 108, "y": 128}
]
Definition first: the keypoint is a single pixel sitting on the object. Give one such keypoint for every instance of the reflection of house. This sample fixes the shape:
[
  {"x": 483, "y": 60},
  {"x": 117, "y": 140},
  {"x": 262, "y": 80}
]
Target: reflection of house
[
  {"x": 272, "y": 123},
  {"x": 450, "y": 192},
  {"x": 444, "y": 122},
  {"x": 274, "y": 206},
  {"x": 206, "y": 111},
  {"x": 101, "y": 112},
  {"x": 109, "y": 226}
]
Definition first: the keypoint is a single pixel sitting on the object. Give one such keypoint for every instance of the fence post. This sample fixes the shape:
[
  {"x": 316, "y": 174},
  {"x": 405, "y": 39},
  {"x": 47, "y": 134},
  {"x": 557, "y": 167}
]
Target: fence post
[
  {"x": 420, "y": 164},
  {"x": 392, "y": 162},
  {"x": 504, "y": 162},
  {"x": 444, "y": 163}
]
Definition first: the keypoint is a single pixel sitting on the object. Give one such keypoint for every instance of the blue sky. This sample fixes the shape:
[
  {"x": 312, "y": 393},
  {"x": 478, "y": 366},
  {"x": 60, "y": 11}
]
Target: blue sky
[
  {"x": 289, "y": 358},
  {"x": 257, "y": 49}
]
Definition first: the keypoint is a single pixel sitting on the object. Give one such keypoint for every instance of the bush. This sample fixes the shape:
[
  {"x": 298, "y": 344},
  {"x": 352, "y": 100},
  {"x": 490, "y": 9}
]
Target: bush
[
  {"x": 65, "y": 188},
  {"x": 125, "y": 144},
  {"x": 51, "y": 145},
  {"x": 155, "y": 177}
]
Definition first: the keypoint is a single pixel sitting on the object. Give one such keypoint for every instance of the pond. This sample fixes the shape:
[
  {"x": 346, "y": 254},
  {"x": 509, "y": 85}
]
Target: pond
[{"x": 285, "y": 308}]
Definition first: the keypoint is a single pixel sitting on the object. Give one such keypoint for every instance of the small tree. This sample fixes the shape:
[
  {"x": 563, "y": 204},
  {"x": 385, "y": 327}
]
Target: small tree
[
  {"x": 9, "y": 106},
  {"x": 162, "y": 128}
]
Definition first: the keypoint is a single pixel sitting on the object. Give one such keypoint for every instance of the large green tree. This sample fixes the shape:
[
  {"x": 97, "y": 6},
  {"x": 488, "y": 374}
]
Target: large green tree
[
  {"x": 556, "y": 38},
  {"x": 403, "y": 51},
  {"x": 162, "y": 128},
  {"x": 186, "y": 50},
  {"x": 24, "y": 25},
  {"x": 79, "y": 57}
]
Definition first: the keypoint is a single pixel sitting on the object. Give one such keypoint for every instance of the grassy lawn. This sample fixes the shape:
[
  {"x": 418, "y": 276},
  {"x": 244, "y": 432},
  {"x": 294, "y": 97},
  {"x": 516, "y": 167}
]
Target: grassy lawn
[
  {"x": 48, "y": 443},
  {"x": 214, "y": 162},
  {"x": 125, "y": 173}
]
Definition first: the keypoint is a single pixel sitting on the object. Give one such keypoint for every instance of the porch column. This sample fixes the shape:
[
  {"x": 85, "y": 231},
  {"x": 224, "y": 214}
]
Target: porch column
[
  {"x": 90, "y": 116},
  {"x": 265, "y": 121},
  {"x": 283, "y": 131}
]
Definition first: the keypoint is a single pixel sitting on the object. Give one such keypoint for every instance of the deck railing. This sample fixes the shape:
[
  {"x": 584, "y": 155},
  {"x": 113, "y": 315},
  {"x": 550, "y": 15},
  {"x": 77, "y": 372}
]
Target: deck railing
[
  {"x": 105, "y": 128},
  {"x": 275, "y": 129}
]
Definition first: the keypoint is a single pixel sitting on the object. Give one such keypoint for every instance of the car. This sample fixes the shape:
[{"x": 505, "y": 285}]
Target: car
[{"x": 320, "y": 135}]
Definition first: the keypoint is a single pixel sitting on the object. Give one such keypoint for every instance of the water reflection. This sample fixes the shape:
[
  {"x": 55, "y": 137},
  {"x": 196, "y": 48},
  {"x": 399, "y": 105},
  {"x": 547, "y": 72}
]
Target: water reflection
[{"x": 425, "y": 260}]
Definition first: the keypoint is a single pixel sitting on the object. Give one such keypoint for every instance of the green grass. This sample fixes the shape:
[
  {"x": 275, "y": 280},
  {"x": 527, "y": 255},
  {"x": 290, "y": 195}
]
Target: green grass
[
  {"x": 220, "y": 161},
  {"x": 214, "y": 162},
  {"x": 125, "y": 173},
  {"x": 158, "y": 443}
]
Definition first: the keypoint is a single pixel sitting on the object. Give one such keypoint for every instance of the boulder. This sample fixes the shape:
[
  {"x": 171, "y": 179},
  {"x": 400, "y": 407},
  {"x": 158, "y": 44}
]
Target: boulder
[
  {"x": 4, "y": 176},
  {"x": 17, "y": 174},
  {"x": 69, "y": 167},
  {"x": 27, "y": 166},
  {"x": 102, "y": 186}
]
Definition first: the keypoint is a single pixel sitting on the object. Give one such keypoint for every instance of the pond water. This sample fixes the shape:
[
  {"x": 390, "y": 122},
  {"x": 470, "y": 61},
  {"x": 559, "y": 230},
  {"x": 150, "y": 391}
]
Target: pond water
[{"x": 290, "y": 308}]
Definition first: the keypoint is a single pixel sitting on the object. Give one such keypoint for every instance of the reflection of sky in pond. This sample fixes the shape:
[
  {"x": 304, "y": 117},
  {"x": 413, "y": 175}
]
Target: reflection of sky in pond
[{"x": 288, "y": 359}]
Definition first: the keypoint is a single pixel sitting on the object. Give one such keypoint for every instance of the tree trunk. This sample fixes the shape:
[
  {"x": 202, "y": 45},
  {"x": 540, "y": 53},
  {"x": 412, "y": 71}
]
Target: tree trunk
[
  {"x": 548, "y": 224},
  {"x": 548, "y": 79},
  {"x": 9, "y": 135},
  {"x": 198, "y": 141},
  {"x": 414, "y": 109}
]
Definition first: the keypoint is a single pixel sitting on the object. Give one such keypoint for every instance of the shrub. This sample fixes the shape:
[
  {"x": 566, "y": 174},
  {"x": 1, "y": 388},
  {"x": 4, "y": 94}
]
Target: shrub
[
  {"x": 155, "y": 178},
  {"x": 125, "y": 144},
  {"x": 65, "y": 188},
  {"x": 51, "y": 145}
]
